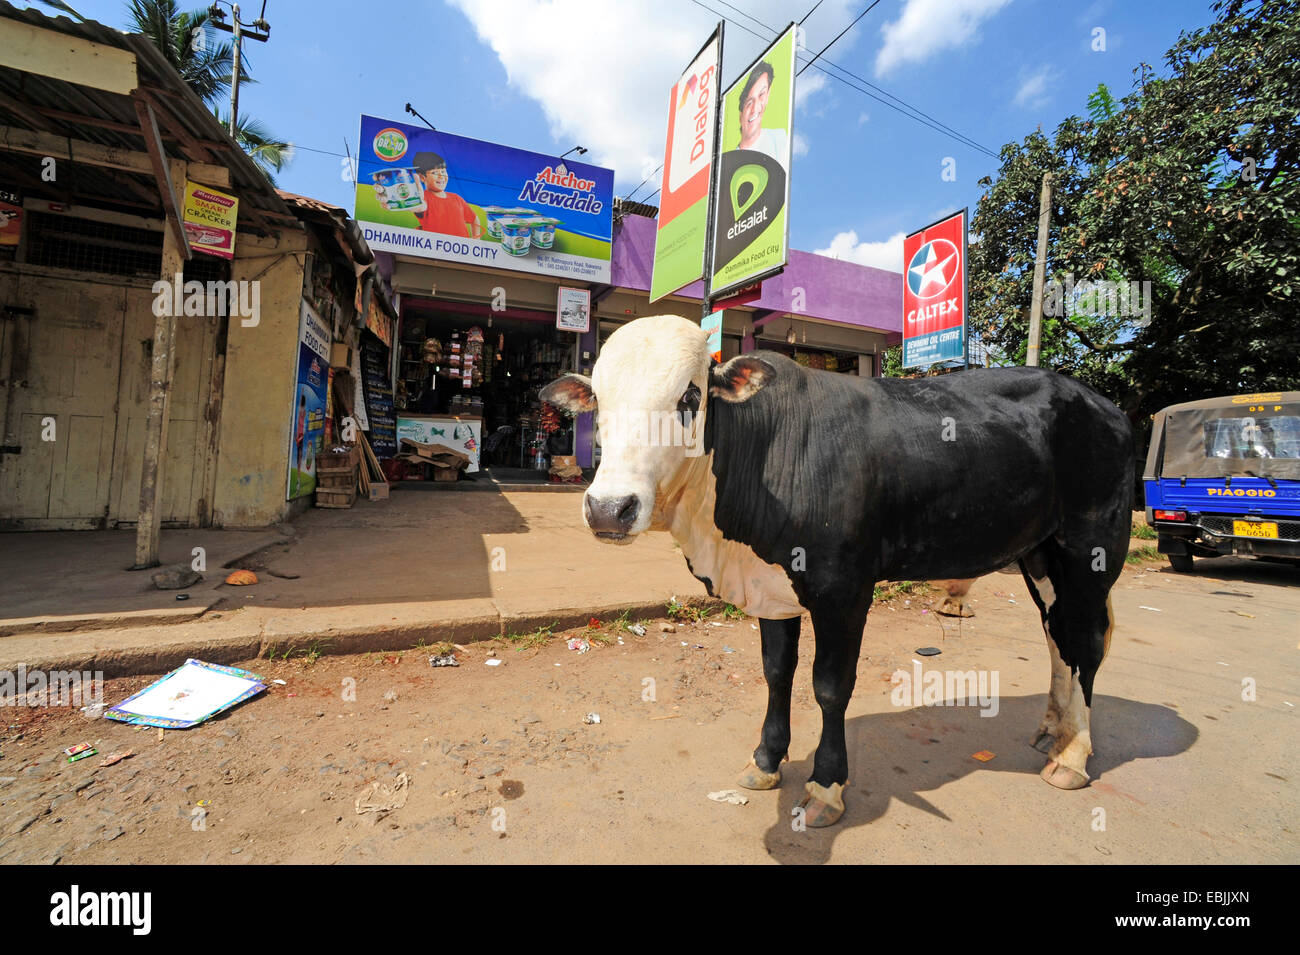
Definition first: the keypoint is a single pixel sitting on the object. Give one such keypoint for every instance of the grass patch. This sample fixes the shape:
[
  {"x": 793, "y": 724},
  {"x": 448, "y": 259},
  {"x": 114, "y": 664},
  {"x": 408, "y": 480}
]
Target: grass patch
[
  {"x": 442, "y": 648},
  {"x": 1142, "y": 555},
  {"x": 1143, "y": 531},
  {"x": 679, "y": 611},
  {"x": 536, "y": 638},
  {"x": 891, "y": 589},
  {"x": 732, "y": 612}
]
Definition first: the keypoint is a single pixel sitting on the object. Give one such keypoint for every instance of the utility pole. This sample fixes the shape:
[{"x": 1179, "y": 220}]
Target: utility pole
[
  {"x": 1040, "y": 269},
  {"x": 259, "y": 30}
]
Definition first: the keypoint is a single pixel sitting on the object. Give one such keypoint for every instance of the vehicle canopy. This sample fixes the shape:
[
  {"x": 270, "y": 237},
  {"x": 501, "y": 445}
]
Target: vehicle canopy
[{"x": 1238, "y": 435}]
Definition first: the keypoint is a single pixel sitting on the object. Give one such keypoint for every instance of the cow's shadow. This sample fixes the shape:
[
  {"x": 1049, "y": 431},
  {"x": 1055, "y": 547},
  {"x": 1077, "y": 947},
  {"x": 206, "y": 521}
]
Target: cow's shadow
[{"x": 904, "y": 753}]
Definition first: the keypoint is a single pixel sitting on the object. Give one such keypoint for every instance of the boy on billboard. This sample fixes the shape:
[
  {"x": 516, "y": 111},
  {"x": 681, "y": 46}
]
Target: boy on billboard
[{"x": 445, "y": 211}]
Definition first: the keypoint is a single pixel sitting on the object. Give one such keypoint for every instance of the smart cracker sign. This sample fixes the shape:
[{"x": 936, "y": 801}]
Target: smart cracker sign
[
  {"x": 934, "y": 293},
  {"x": 750, "y": 227}
]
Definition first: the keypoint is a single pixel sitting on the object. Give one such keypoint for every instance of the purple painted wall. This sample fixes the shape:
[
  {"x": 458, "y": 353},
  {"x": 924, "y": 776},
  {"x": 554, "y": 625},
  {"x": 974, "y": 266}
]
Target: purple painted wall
[{"x": 834, "y": 290}]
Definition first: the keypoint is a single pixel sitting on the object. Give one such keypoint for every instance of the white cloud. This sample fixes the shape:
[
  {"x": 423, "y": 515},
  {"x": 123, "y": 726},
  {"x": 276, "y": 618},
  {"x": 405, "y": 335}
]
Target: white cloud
[
  {"x": 926, "y": 27},
  {"x": 886, "y": 255},
  {"x": 608, "y": 91},
  {"x": 799, "y": 145},
  {"x": 1033, "y": 88},
  {"x": 863, "y": 118},
  {"x": 808, "y": 84}
]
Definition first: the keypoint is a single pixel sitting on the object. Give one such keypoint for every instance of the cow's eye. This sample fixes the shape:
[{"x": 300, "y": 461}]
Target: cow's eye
[{"x": 688, "y": 406}]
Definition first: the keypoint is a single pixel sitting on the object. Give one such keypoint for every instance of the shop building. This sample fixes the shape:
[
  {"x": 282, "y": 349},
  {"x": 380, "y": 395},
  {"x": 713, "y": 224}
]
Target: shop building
[
  {"x": 821, "y": 312},
  {"x": 114, "y": 411}
]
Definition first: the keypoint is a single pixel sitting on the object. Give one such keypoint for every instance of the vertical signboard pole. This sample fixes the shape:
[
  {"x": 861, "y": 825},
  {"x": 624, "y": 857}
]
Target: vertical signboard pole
[
  {"x": 713, "y": 187},
  {"x": 965, "y": 285}
]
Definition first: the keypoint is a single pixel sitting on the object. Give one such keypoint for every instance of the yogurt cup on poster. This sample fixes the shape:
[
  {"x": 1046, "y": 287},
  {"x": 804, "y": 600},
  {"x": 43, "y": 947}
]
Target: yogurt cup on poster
[
  {"x": 399, "y": 190},
  {"x": 515, "y": 235},
  {"x": 493, "y": 215},
  {"x": 543, "y": 231}
]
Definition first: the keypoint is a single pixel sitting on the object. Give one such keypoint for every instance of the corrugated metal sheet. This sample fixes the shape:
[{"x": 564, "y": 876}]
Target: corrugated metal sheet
[{"x": 201, "y": 138}]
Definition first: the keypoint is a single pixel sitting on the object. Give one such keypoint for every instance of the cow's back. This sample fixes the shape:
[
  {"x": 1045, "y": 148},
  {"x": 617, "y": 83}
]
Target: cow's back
[{"x": 928, "y": 478}]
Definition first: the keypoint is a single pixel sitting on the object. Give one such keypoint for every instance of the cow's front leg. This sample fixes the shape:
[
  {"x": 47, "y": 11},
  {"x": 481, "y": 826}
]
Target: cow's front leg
[
  {"x": 780, "y": 657},
  {"x": 835, "y": 670}
]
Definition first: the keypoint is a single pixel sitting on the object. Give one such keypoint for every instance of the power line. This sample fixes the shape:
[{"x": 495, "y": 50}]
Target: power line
[
  {"x": 837, "y": 36},
  {"x": 916, "y": 114}
]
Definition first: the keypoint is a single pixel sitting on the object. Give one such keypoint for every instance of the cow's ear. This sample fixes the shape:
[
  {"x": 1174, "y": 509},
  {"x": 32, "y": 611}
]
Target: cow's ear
[
  {"x": 571, "y": 393},
  {"x": 739, "y": 379}
]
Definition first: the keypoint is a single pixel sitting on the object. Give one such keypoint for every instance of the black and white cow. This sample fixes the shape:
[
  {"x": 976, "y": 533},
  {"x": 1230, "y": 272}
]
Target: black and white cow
[{"x": 794, "y": 489}]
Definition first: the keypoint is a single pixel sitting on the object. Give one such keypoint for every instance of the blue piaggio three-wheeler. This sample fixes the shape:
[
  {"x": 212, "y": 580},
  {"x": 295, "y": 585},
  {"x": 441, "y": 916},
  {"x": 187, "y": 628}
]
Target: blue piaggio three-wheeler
[{"x": 1222, "y": 476}]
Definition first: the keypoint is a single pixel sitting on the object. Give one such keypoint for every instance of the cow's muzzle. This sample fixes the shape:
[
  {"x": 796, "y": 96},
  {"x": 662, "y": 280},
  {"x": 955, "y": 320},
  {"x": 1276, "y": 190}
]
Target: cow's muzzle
[{"x": 611, "y": 518}]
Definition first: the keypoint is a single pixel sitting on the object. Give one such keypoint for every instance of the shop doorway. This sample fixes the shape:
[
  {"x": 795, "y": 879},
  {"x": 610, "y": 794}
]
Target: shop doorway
[
  {"x": 471, "y": 377},
  {"x": 75, "y": 365}
]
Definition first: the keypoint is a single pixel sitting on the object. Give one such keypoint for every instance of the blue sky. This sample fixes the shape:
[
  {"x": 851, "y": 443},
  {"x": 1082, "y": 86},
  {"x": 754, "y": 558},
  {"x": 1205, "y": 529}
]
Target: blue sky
[{"x": 549, "y": 75}]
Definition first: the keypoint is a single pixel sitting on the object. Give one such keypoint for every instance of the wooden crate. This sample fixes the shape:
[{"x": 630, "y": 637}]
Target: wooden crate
[
  {"x": 336, "y": 480},
  {"x": 329, "y": 460},
  {"x": 337, "y": 497}
]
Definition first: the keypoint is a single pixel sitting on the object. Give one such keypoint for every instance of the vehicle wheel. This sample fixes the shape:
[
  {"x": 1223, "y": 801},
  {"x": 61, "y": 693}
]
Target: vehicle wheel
[{"x": 1182, "y": 563}]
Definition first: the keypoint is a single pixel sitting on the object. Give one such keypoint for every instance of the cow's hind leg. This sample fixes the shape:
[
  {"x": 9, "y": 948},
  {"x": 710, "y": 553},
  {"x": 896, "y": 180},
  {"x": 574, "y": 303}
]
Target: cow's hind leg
[
  {"x": 1034, "y": 568},
  {"x": 1073, "y": 598},
  {"x": 780, "y": 657},
  {"x": 838, "y": 628}
]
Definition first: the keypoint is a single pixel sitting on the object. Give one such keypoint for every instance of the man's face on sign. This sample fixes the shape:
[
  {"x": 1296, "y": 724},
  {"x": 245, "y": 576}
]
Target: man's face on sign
[{"x": 751, "y": 110}]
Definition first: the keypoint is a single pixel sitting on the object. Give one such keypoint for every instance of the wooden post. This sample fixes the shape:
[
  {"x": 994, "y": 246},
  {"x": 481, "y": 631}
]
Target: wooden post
[
  {"x": 1040, "y": 269},
  {"x": 149, "y": 523}
]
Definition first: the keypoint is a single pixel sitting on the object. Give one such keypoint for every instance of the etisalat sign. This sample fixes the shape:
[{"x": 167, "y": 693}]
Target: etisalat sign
[
  {"x": 750, "y": 222},
  {"x": 428, "y": 193}
]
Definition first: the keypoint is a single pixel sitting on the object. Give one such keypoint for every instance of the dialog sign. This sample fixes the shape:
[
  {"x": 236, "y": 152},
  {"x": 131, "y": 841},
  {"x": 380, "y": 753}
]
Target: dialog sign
[{"x": 934, "y": 293}]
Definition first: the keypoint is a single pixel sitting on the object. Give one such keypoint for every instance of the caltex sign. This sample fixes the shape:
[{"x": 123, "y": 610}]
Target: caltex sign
[{"x": 934, "y": 293}]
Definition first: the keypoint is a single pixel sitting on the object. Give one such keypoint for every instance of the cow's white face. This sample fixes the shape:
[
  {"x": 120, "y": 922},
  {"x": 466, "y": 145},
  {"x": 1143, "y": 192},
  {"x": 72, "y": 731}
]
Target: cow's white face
[{"x": 648, "y": 389}]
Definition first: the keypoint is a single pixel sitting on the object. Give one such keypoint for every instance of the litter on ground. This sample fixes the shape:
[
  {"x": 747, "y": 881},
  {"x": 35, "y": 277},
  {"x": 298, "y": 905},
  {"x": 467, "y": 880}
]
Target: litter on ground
[{"x": 730, "y": 796}]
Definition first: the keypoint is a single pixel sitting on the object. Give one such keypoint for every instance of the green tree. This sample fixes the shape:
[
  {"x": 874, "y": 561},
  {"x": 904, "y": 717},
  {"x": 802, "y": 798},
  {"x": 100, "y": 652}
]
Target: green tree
[
  {"x": 1189, "y": 182},
  {"x": 206, "y": 67}
]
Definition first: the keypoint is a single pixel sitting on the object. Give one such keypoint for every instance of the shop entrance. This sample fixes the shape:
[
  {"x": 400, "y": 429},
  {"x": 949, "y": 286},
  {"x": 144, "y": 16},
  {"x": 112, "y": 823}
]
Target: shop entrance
[
  {"x": 823, "y": 359},
  {"x": 470, "y": 379}
]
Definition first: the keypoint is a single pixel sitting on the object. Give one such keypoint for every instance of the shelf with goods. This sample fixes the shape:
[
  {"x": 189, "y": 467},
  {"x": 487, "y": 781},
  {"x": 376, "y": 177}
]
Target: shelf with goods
[{"x": 827, "y": 361}]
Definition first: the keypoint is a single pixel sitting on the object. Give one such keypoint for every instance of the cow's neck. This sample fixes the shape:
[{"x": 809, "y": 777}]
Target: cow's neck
[{"x": 733, "y": 571}]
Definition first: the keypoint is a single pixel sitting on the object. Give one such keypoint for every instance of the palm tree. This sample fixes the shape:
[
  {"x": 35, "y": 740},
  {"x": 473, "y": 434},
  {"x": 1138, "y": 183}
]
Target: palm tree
[
  {"x": 206, "y": 69},
  {"x": 264, "y": 149}
]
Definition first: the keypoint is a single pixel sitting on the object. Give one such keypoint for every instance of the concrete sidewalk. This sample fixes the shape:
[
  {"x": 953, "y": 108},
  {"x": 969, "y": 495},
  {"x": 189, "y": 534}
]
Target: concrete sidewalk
[{"x": 417, "y": 568}]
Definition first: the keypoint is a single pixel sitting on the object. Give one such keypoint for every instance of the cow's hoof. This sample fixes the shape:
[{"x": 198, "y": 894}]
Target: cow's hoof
[
  {"x": 955, "y": 607},
  {"x": 1063, "y": 777},
  {"x": 751, "y": 777},
  {"x": 1044, "y": 743},
  {"x": 823, "y": 805}
]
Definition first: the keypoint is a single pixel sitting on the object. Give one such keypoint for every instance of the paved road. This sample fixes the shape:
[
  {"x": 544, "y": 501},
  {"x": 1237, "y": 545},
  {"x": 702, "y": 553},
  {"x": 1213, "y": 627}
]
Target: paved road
[{"x": 1186, "y": 770}]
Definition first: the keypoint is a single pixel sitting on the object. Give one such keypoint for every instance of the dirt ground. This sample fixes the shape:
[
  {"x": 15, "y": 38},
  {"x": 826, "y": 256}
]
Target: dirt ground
[{"x": 503, "y": 768}]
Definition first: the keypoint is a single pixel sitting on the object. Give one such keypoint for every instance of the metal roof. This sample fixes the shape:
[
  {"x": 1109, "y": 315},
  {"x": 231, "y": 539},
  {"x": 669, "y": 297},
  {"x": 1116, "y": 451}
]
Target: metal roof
[{"x": 187, "y": 126}]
